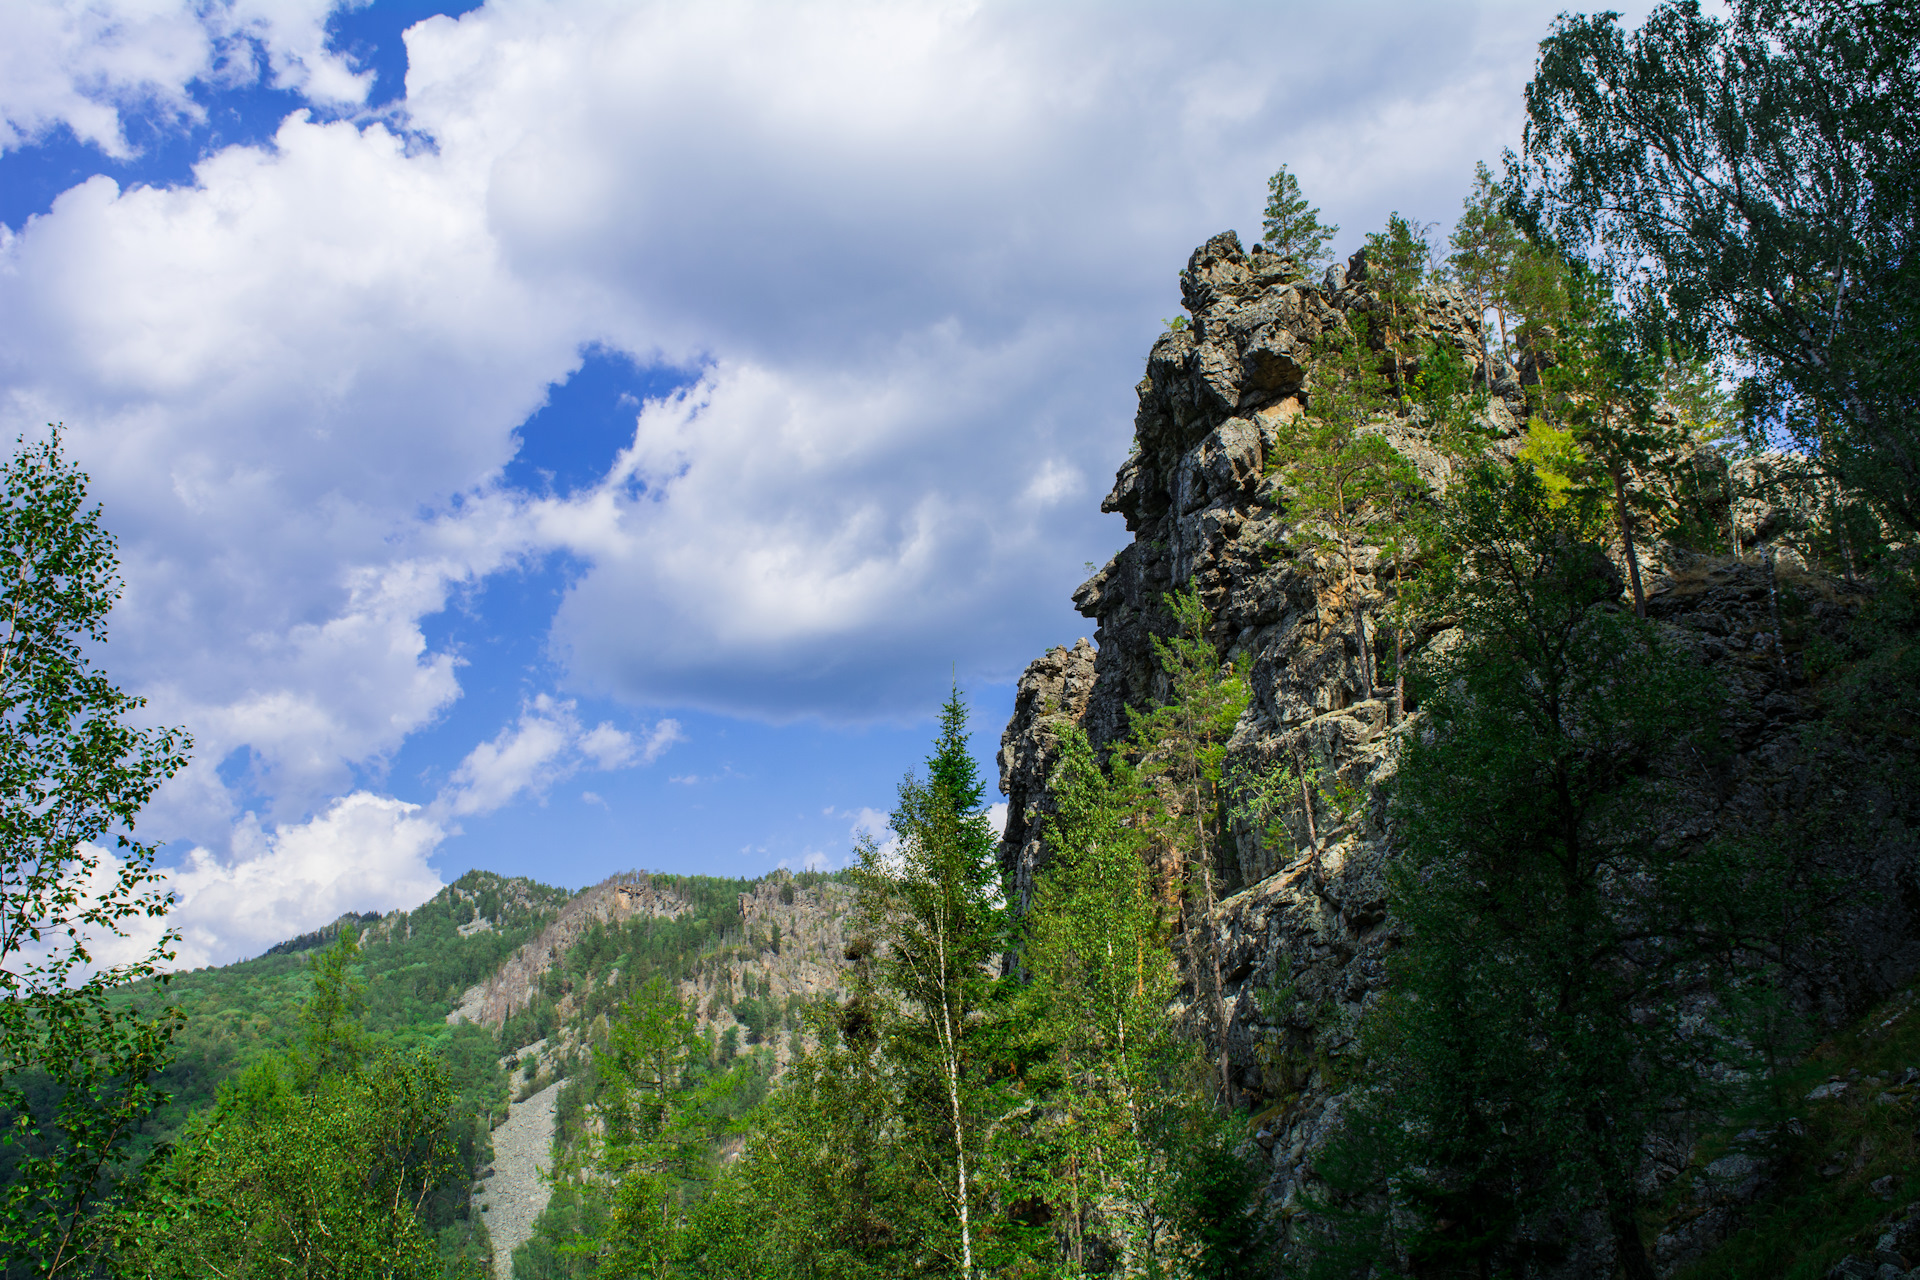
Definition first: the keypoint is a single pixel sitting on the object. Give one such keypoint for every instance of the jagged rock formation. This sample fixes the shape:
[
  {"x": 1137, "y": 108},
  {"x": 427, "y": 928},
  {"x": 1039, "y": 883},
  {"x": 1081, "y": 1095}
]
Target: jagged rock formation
[
  {"x": 1308, "y": 916},
  {"x": 1055, "y": 689},
  {"x": 512, "y": 985},
  {"x": 794, "y": 944}
]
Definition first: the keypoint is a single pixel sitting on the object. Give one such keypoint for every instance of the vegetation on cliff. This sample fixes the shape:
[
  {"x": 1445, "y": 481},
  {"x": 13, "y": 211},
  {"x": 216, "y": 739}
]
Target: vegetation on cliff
[{"x": 1509, "y": 937}]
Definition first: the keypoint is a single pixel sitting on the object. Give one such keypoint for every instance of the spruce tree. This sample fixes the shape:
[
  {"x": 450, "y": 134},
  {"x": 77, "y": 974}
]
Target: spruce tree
[{"x": 936, "y": 908}]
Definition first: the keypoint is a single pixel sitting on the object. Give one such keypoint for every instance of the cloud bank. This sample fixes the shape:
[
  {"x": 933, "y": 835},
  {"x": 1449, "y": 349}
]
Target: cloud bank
[{"x": 910, "y": 256}]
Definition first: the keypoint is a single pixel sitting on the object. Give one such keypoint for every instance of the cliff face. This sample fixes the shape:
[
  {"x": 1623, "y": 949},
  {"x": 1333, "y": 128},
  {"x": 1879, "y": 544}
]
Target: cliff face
[
  {"x": 1309, "y": 916},
  {"x": 512, "y": 985},
  {"x": 792, "y": 942}
]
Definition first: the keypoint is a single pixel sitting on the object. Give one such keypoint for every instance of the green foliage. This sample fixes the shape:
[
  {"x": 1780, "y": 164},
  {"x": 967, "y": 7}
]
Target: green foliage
[
  {"x": 1096, "y": 945},
  {"x": 1569, "y": 973},
  {"x": 936, "y": 905},
  {"x": 1138, "y": 1161},
  {"x": 1450, "y": 402},
  {"x": 73, "y": 773},
  {"x": 1555, "y": 456},
  {"x": 326, "y": 1183},
  {"x": 1823, "y": 1206},
  {"x": 1342, "y": 477},
  {"x": 1758, "y": 171},
  {"x": 332, "y": 1040},
  {"x": 1396, "y": 270},
  {"x": 1293, "y": 227},
  {"x": 1485, "y": 245},
  {"x": 334, "y": 1156}
]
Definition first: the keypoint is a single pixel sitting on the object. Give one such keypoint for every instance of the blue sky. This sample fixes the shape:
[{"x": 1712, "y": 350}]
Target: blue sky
[{"x": 560, "y": 436}]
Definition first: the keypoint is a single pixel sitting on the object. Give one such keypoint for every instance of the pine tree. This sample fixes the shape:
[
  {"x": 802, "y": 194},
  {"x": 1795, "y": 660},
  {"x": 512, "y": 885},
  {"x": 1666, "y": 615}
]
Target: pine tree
[
  {"x": 1293, "y": 227},
  {"x": 1484, "y": 244},
  {"x": 1175, "y": 756},
  {"x": 1535, "y": 1032},
  {"x": 1396, "y": 269},
  {"x": 1344, "y": 481}
]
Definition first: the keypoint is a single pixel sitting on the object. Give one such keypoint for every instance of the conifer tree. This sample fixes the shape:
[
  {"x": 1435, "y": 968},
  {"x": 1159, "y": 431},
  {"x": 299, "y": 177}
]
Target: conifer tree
[
  {"x": 1293, "y": 227},
  {"x": 1484, "y": 244},
  {"x": 1345, "y": 482},
  {"x": 1396, "y": 269},
  {"x": 1175, "y": 755},
  {"x": 936, "y": 908},
  {"x": 1536, "y": 1029}
]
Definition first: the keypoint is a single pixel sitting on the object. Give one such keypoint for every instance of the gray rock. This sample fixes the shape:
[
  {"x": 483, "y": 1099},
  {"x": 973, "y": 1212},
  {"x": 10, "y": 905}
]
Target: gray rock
[
  {"x": 1734, "y": 1178},
  {"x": 1304, "y": 904},
  {"x": 1831, "y": 1089}
]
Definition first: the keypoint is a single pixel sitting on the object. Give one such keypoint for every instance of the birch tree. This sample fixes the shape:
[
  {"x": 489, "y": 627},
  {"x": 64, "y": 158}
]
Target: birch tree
[
  {"x": 74, "y": 774},
  {"x": 934, "y": 903}
]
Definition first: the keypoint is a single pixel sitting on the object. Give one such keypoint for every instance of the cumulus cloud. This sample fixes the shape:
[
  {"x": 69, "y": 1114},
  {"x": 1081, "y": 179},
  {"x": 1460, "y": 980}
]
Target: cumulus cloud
[
  {"x": 85, "y": 63},
  {"x": 915, "y": 252},
  {"x": 544, "y": 746},
  {"x": 365, "y": 852}
]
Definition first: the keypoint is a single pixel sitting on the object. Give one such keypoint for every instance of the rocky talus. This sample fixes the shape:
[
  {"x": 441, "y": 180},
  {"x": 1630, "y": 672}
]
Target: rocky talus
[
  {"x": 514, "y": 1190},
  {"x": 1308, "y": 915}
]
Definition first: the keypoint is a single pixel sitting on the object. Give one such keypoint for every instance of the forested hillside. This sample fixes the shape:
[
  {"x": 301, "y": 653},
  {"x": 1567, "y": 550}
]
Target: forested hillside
[{"x": 1483, "y": 838}]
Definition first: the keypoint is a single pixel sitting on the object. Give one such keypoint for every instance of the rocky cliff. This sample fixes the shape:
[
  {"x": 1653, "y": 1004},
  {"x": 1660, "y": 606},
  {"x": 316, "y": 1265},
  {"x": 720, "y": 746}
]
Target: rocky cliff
[
  {"x": 512, "y": 985},
  {"x": 1309, "y": 917}
]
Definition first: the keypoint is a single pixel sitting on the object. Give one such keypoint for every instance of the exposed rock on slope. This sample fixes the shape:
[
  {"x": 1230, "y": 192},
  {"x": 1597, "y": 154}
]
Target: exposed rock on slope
[
  {"x": 512, "y": 985},
  {"x": 794, "y": 944},
  {"x": 1310, "y": 916}
]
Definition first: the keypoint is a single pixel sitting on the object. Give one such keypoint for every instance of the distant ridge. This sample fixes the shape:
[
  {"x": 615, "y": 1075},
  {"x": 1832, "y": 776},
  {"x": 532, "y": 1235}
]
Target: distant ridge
[{"x": 324, "y": 934}]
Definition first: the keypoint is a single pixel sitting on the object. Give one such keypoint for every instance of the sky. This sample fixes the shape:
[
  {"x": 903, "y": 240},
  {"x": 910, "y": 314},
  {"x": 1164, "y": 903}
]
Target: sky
[{"x": 569, "y": 436}]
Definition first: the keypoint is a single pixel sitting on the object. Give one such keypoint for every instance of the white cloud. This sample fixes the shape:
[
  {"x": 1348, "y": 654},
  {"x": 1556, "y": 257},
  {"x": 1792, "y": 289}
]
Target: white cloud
[
  {"x": 82, "y": 63},
  {"x": 544, "y": 746},
  {"x": 917, "y": 250},
  {"x": 659, "y": 740},
  {"x": 610, "y": 748},
  {"x": 364, "y": 853},
  {"x": 526, "y": 756}
]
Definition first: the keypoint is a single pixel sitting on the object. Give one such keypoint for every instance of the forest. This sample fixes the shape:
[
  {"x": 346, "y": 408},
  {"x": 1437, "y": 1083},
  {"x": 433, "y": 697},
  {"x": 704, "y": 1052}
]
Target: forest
[{"x": 1604, "y": 499}]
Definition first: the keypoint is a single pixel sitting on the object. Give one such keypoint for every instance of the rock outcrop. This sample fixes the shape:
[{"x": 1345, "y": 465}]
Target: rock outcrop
[
  {"x": 1306, "y": 928},
  {"x": 793, "y": 944},
  {"x": 512, "y": 985}
]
